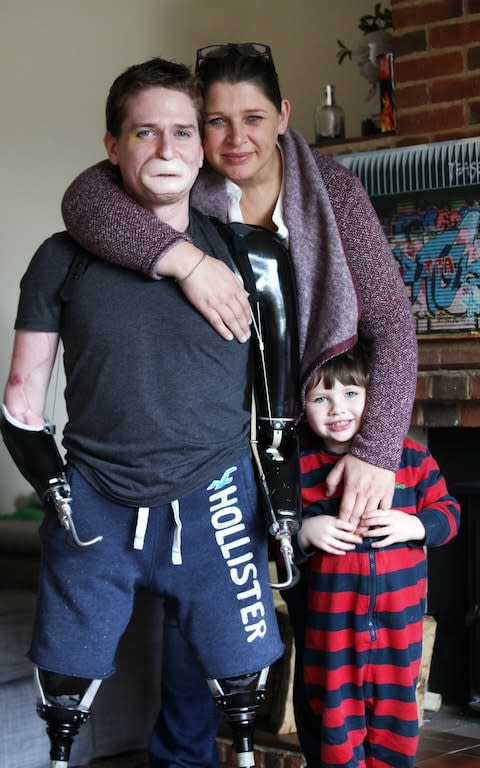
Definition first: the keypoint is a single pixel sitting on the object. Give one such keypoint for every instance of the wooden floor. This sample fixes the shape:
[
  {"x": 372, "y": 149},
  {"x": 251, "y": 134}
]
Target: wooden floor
[
  {"x": 436, "y": 750},
  {"x": 447, "y": 750},
  {"x": 448, "y": 739}
]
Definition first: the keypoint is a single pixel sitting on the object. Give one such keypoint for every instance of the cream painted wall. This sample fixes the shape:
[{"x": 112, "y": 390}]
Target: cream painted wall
[{"x": 57, "y": 61}]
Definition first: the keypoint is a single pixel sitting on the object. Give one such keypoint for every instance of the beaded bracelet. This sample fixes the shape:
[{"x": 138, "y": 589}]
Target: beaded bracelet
[{"x": 182, "y": 279}]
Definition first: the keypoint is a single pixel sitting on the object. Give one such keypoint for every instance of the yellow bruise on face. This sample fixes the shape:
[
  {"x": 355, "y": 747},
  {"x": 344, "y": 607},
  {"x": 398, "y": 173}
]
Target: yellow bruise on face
[{"x": 132, "y": 138}]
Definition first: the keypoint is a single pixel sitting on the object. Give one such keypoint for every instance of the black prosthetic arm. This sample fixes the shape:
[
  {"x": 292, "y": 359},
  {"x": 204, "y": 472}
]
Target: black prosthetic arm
[
  {"x": 264, "y": 264},
  {"x": 36, "y": 455},
  {"x": 65, "y": 706},
  {"x": 239, "y": 698}
]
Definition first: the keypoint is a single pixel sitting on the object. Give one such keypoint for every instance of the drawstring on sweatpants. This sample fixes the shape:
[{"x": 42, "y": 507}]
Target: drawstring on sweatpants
[
  {"x": 141, "y": 529},
  {"x": 177, "y": 536}
]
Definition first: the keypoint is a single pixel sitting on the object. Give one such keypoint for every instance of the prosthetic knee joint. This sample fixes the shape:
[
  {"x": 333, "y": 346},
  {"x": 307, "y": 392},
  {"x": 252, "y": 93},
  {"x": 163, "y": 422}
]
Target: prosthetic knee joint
[
  {"x": 65, "y": 705},
  {"x": 239, "y": 698}
]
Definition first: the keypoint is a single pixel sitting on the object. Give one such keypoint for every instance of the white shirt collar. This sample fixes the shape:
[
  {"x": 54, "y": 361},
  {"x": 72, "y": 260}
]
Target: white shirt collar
[{"x": 234, "y": 194}]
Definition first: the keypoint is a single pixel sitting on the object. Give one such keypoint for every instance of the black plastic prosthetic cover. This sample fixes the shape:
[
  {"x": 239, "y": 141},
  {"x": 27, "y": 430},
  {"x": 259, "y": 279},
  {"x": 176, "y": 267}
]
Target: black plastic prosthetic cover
[
  {"x": 265, "y": 267},
  {"x": 61, "y": 711},
  {"x": 239, "y": 698},
  {"x": 265, "y": 257},
  {"x": 35, "y": 453}
]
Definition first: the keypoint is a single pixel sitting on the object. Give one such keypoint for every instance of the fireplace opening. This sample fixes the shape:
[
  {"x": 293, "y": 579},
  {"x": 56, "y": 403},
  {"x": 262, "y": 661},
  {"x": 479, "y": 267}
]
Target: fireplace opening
[{"x": 454, "y": 573}]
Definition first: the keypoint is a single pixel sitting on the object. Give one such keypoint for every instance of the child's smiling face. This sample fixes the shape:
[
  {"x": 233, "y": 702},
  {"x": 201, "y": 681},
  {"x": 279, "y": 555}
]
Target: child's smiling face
[{"x": 336, "y": 414}]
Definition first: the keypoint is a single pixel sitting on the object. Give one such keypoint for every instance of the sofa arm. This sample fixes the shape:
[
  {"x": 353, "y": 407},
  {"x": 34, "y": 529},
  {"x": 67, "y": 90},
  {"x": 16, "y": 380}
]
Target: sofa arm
[{"x": 19, "y": 554}]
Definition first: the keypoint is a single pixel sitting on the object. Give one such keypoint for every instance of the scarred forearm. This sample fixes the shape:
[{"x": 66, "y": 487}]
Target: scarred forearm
[{"x": 30, "y": 370}]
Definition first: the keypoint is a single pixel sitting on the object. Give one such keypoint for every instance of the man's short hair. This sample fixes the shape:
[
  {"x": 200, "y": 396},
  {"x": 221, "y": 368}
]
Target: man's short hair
[{"x": 149, "y": 74}]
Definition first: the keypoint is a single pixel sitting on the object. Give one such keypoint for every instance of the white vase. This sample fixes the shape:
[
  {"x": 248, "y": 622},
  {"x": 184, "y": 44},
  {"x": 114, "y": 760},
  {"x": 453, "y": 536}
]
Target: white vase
[{"x": 365, "y": 55}]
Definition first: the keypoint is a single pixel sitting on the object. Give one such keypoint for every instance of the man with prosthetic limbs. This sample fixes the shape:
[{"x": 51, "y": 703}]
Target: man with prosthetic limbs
[
  {"x": 196, "y": 519},
  {"x": 260, "y": 259}
]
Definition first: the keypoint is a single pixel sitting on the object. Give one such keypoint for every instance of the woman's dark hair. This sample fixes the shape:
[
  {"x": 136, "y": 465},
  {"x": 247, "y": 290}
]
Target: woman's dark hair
[
  {"x": 238, "y": 67},
  {"x": 149, "y": 74}
]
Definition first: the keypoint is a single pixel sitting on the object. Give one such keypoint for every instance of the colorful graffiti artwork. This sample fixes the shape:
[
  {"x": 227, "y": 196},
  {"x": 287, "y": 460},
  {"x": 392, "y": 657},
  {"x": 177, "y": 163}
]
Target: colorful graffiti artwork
[{"x": 435, "y": 238}]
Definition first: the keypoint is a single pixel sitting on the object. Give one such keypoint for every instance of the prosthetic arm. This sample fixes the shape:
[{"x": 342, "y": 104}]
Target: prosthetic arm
[
  {"x": 36, "y": 455},
  {"x": 264, "y": 265}
]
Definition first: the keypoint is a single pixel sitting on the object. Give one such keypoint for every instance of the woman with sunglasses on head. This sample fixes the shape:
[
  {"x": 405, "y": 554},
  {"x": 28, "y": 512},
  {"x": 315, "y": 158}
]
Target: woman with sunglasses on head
[{"x": 261, "y": 172}]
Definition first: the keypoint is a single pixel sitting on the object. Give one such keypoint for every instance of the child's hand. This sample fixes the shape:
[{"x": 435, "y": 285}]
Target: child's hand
[
  {"x": 392, "y": 526},
  {"x": 328, "y": 534}
]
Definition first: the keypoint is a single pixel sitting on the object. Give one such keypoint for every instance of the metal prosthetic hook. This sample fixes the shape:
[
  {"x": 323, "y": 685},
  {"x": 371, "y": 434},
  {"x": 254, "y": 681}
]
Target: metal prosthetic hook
[
  {"x": 61, "y": 498},
  {"x": 275, "y": 454},
  {"x": 284, "y": 522},
  {"x": 282, "y": 530},
  {"x": 36, "y": 455}
]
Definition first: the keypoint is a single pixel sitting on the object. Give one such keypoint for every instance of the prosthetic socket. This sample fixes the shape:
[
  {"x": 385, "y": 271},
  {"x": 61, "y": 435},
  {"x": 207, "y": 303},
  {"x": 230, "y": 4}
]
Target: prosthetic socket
[
  {"x": 36, "y": 455},
  {"x": 264, "y": 265}
]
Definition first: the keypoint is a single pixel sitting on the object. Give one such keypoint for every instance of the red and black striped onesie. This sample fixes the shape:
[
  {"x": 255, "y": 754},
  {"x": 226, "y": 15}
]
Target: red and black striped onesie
[{"x": 363, "y": 623}]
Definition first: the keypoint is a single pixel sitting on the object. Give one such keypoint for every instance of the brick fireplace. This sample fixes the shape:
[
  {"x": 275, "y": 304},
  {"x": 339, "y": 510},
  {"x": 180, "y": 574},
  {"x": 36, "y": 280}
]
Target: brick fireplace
[{"x": 437, "y": 74}]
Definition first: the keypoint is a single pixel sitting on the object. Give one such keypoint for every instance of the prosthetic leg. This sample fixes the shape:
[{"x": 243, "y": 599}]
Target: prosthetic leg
[
  {"x": 65, "y": 706},
  {"x": 239, "y": 697}
]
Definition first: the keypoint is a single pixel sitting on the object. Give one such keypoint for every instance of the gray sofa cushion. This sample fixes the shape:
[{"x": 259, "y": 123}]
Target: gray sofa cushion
[
  {"x": 16, "y": 619},
  {"x": 23, "y": 739},
  {"x": 19, "y": 537}
]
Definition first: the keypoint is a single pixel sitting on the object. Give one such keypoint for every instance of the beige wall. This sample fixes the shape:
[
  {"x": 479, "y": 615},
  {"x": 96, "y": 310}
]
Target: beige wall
[{"x": 57, "y": 60}]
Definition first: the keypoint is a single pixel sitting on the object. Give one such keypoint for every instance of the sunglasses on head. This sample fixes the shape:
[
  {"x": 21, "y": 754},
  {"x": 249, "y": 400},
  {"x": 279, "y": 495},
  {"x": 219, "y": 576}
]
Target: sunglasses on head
[{"x": 250, "y": 50}]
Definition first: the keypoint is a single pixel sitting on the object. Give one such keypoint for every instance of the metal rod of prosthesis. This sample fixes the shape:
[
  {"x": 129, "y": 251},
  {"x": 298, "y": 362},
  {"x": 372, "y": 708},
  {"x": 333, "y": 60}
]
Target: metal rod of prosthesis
[{"x": 240, "y": 707}]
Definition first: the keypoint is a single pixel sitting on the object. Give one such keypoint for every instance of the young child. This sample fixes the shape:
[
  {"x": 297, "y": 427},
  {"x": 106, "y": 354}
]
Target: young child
[{"x": 365, "y": 587}]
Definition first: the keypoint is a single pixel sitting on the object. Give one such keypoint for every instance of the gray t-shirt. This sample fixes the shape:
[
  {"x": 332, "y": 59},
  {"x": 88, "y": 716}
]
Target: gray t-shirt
[{"x": 157, "y": 401}]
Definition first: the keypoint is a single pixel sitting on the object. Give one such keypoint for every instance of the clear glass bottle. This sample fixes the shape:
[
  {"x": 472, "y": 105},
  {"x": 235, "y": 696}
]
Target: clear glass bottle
[{"x": 329, "y": 117}]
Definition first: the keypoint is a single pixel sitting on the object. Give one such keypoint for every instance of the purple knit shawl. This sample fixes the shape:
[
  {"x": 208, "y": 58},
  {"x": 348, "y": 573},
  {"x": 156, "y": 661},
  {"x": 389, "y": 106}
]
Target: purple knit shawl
[{"x": 328, "y": 303}]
